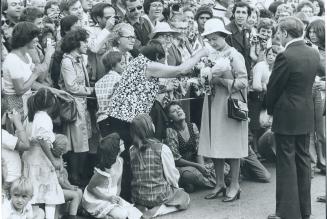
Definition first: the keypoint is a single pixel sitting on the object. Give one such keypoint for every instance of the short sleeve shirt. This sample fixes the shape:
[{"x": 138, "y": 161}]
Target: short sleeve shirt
[
  {"x": 14, "y": 68},
  {"x": 135, "y": 93}
]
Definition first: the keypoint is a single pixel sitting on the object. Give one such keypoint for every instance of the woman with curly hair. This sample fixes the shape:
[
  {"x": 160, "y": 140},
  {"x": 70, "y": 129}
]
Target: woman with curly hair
[
  {"x": 74, "y": 79},
  {"x": 18, "y": 68}
]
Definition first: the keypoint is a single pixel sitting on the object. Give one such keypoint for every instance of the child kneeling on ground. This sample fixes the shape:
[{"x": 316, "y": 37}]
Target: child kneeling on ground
[
  {"x": 155, "y": 188},
  {"x": 101, "y": 196},
  {"x": 19, "y": 205}
]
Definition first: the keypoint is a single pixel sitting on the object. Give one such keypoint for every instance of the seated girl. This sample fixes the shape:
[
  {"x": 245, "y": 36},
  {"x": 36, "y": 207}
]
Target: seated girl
[
  {"x": 155, "y": 178},
  {"x": 101, "y": 196},
  {"x": 183, "y": 140},
  {"x": 19, "y": 206},
  {"x": 71, "y": 193}
]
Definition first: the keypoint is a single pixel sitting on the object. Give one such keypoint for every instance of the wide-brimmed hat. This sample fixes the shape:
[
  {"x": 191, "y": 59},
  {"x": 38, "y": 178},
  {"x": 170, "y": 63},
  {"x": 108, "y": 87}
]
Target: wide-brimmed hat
[
  {"x": 162, "y": 27},
  {"x": 214, "y": 25}
]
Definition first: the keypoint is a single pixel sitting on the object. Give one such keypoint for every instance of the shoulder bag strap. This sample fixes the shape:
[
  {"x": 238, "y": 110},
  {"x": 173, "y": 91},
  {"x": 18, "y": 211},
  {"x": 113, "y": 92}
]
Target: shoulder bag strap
[{"x": 230, "y": 93}]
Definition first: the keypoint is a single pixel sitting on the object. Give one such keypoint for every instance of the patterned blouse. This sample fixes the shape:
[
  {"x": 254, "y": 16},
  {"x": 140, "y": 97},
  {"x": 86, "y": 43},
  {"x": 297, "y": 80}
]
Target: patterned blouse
[
  {"x": 183, "y": 149},
  {"x": 135, "y": 93}
]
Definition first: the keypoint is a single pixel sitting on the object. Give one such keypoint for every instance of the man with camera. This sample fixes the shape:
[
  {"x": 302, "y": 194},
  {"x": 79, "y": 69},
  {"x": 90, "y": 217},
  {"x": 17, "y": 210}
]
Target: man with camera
[{"x": 104, "y": 17}]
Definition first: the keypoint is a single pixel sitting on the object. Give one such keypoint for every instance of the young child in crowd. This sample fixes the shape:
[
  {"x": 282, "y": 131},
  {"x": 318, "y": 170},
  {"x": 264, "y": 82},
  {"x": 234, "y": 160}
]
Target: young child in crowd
[
  {"x": 105, "y": 87},
  {"x": 101, "y": 196},
  {"x": 39, "y": 162},
  {"x": 72, "y": 193},
  {"x": 155, "y": 177},
  {"x": 19, "y": 205}
]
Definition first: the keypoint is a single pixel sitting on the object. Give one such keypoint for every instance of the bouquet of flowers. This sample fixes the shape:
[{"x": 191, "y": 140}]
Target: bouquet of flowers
[{"x": 215, "y": 65}]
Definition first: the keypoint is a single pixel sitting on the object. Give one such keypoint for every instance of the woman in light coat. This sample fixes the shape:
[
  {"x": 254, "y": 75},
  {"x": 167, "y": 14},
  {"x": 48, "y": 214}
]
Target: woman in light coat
[{"x": 222, "y": 137}]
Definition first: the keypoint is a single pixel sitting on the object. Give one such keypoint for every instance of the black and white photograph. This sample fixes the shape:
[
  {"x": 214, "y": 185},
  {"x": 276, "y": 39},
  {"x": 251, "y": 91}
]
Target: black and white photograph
[{"x": 168, "y": 109}]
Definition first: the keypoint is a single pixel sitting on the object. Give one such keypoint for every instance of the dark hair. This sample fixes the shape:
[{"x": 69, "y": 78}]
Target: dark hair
[
  {"x": 66, "y": 23},
  {"x": 265, "y": 13},
  {"x": 97, "y": 11},
  {"x": 273, "y": 6},
  {"x": 321, "y": 6},
  {"x": 241, "y": 5},
  {"x": 110, "y": 59},
  {"x": 4, "y": 5},
  {"x": 108, "y": 151},
  {"x": 48, "y": 5},
  {"x": 72, "y": 40},
  {"x": 124, "y": 2},
  {"x": 266, "y": 23},
  {"x": 23, "y": 33},
  {"x": 41, "y": 100},
  {"x": 66, "y": 4},
  {"x": 169, "y": 105},
  {"x": 318, "y": 27},
  {"x": 31, "y": 14},
  {"x": 147, "y": 4},
  {"x": 154, "y": 50},
  {"x": 46, "y": 30},
  {"x": 292, "y": 25},
  {"x": 303, "y": 4}
]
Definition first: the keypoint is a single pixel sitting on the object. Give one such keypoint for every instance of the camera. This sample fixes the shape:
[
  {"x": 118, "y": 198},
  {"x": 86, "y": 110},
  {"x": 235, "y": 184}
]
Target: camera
[{"x": 117, "y": 19}]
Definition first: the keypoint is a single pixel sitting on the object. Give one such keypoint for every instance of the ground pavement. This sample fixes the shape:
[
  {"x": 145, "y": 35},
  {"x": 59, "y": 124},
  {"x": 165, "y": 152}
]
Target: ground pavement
[{"x": 257, "y": 202}]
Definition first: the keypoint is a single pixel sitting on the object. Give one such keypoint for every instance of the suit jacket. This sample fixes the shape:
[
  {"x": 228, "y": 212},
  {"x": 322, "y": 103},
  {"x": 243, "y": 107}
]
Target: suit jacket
[
  {"x": 289, "y": 90},
  {"x": 240, "y": 40}
]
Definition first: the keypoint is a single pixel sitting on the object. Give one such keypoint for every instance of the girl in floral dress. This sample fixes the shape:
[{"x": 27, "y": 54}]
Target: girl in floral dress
[{"x": 39, "y": 163}]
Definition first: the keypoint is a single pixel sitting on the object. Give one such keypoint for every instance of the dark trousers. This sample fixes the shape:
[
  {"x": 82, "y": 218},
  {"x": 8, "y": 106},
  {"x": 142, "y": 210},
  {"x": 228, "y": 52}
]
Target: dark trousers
[
  {"x": 293, "y": 176},
  {"x": 111, "y": 125},
  {"x": 253, "y": 169}
]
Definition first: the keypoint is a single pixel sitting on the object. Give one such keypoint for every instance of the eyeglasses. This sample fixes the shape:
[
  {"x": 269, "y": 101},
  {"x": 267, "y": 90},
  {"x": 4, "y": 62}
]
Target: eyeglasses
[
  {"x": 139, "y": 8},
  {"x": 5, "y": 22},
  {"x": 129, "y": 37}
]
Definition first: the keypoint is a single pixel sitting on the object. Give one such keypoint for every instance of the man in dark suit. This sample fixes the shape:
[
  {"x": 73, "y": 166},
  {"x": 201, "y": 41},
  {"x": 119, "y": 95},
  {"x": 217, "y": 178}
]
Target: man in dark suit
[
  {"x": 240, "y": 37},
  {"x": 289, "y": 100}
]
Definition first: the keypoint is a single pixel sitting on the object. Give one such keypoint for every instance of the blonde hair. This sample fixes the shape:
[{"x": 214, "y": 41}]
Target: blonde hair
[{"x": 22, "y": 185}]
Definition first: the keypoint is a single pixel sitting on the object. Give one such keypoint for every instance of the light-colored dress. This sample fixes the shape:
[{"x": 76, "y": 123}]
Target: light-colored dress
[
  {"x": 220, "y": 136},
  {"x": 110, "y": 186},
  {"x": 37, "y": 167}
]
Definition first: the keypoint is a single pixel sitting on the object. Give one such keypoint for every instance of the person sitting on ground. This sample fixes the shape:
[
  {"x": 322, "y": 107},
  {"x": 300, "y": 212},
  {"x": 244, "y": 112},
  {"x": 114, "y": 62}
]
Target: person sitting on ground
[
  {"x": 101, "y": 196},
  {"x": 183, "y": 140},
  {"x": 155, "y": 189}
]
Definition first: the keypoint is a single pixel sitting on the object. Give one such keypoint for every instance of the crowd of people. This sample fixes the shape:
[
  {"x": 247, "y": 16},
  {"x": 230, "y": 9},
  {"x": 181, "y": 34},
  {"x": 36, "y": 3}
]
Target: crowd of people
[{"x": 121, "y": 108}]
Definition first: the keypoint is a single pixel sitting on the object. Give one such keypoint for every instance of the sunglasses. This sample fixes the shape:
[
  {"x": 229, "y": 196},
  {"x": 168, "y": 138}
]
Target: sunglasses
[
  {"x": 139, "y": 8},
  {"x": 5, "y": 22}
]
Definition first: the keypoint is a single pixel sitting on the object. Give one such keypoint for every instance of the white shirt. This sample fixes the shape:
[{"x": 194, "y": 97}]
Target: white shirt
[
  {"x": 10, "y": 157},
  {"x": 9, "y": 212},
  {"x": 14, "y": 68},
  {"x": 42, "y": 127}
]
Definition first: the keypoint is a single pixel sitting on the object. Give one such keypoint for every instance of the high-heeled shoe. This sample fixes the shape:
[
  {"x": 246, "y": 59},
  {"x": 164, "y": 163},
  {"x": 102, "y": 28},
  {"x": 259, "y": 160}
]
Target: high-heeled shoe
[
  {"x": 215, "y": 194},
  {"x": 231, "y": 199}
]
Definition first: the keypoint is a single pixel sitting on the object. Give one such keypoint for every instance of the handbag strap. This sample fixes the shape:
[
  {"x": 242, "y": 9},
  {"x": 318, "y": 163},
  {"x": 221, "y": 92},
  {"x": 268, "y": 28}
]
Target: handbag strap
[{"x": 230, "y": 93}]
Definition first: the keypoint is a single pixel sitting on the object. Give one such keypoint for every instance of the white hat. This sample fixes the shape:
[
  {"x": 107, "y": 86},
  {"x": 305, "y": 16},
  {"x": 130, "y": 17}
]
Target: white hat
[
  {"x": 162, "y": 27},
  {"x": 214, "y": 25}
]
